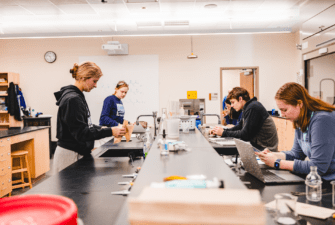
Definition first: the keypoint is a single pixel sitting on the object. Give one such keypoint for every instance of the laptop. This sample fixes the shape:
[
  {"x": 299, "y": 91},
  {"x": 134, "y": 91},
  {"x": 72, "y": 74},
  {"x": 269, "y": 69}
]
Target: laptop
[{"x": 268, "y": 176}]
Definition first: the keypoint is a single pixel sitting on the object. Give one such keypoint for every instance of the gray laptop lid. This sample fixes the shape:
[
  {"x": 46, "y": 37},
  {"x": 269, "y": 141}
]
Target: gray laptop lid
[{"x": 248, "y": 157}]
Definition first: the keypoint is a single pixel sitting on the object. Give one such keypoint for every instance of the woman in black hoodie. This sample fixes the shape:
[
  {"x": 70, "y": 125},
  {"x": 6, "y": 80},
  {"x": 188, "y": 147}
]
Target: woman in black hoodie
[{"x": 75, "y": 131}]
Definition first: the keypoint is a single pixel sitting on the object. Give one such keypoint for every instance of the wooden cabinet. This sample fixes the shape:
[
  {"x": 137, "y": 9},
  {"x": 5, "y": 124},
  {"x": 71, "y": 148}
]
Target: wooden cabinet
[
  {"x": 5, "y": 167},
  {"x": 285, "y": 132},
  {"x": 7, "y": 120}
]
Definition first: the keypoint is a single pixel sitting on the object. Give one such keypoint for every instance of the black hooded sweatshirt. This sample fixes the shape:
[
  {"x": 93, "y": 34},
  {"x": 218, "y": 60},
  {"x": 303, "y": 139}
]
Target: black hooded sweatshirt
[{"x": 74, "y": 128}]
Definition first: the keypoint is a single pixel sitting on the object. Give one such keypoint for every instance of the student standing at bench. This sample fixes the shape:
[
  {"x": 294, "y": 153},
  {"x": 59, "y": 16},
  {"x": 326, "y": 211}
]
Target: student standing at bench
[{"x": 75, "y": 131}]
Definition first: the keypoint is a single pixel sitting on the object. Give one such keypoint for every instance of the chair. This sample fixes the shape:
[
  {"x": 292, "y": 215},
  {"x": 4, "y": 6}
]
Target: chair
[{"x": 22, "y": 155}]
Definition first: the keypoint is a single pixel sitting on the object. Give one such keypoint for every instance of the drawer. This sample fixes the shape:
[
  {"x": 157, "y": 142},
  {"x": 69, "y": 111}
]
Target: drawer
[
  {"x": 5, "y": 168},
  {"x": 6, "y": 183}
]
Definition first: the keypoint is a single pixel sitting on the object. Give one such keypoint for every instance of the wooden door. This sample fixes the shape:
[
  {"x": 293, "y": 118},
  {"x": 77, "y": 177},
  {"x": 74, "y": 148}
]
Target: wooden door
[{"x": 247, "y": 82}]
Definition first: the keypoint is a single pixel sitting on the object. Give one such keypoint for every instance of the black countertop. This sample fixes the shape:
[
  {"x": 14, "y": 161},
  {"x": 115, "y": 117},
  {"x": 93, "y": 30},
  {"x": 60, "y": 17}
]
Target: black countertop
[
  {"x": 90, "y": 181},
  {"x": 17, "y": 131}
]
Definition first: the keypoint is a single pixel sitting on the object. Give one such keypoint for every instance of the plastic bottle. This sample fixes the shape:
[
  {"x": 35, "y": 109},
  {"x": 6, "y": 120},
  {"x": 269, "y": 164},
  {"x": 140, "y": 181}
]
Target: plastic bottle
[
  {"x": 33, "y": 112},
  {"x": 313, "y": 185},
  {"x": 163, "y": 147},
  {"x": 181, "y": 111}
]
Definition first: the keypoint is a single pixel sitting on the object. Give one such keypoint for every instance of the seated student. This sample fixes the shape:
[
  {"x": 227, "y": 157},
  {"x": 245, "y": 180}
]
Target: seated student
[
  {"x": 256, "y": 125},
  {"x": 231, "y": 116},
  {"x": 314, "y": 123}
]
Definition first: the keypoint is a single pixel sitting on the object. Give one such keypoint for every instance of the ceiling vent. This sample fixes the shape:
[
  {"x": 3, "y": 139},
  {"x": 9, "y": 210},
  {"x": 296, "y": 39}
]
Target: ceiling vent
[
  {"x": 149, "y": 24},
  {"x": 177, "y": 23}
]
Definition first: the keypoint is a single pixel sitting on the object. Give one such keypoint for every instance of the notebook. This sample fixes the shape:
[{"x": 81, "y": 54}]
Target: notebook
[{"x": 248, "y": 157}]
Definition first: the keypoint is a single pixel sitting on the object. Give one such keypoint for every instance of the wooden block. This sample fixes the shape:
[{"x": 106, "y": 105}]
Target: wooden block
[{"x": 197, "y": 206}]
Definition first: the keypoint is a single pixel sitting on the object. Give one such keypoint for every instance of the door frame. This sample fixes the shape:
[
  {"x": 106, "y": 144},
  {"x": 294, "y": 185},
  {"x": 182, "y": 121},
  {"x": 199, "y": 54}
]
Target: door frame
[{"x": 256, "y": 81}]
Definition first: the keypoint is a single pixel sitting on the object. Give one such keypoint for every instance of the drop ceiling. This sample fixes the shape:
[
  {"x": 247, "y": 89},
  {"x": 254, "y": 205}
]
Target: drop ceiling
[{"x": 52, "y": 18}]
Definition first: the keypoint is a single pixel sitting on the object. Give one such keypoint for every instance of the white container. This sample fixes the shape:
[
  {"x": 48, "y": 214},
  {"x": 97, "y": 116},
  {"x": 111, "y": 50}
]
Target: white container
[
  {"x": 172, "y": 128},
  {"x": 190, "y": 120}
]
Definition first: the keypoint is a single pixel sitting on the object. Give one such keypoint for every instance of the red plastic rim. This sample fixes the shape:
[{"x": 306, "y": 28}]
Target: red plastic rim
[{"x": 38, "y": 210}]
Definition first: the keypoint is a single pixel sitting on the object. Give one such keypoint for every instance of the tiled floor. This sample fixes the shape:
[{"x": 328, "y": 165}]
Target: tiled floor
[{"x": 20, "y": 191}]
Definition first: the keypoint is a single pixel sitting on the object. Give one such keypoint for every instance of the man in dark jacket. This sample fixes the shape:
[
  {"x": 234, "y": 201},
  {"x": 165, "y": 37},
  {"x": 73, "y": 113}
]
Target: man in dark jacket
[{"x": 256, "y": 125}]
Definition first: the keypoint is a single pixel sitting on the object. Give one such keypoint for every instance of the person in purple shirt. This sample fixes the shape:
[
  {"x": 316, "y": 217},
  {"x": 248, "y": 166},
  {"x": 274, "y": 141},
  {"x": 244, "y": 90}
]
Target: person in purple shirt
[
  {"x": 113, "y": 111},
  {"x": 314, "y": 123}
]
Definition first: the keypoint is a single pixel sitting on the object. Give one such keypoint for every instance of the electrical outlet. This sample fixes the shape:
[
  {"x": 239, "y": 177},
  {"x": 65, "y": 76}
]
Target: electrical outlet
[{"x": 192, "y": 95}]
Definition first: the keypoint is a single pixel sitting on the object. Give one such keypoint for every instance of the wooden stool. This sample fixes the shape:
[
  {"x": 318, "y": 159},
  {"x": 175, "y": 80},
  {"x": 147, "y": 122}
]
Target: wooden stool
[{"x": 20, "y": 169}]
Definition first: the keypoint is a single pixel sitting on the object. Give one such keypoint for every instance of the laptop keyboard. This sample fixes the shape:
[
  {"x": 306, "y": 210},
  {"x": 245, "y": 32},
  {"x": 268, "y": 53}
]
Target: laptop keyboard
[{"x": 268, "y": 176}]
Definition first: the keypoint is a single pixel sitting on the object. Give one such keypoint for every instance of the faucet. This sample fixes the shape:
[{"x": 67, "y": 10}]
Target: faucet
[
  {"x": 202, "y": 115},
  {"x": 154, "y": 115}
]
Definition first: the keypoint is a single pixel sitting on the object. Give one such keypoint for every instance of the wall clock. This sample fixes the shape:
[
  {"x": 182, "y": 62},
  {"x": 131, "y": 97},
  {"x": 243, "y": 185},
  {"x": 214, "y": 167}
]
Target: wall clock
[{"x": 50, "y": 57}]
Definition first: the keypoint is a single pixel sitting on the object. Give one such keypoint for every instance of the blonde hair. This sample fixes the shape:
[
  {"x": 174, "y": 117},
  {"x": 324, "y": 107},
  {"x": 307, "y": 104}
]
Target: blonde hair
[
  {"x": 85, "y": 71},
  {"x": 121, "y": 84}
]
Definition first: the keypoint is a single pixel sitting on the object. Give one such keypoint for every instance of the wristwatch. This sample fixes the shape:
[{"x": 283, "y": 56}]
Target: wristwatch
[{"x": 277, "y": 164}]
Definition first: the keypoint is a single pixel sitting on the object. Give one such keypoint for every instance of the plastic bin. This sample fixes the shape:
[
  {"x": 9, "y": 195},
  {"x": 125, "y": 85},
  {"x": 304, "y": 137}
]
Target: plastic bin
[{"x": 188, "y": 119}]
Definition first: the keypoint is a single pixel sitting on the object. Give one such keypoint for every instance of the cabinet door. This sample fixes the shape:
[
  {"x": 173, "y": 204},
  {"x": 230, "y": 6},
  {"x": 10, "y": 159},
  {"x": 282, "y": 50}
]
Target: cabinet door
[{"x": 5, "y": 167}]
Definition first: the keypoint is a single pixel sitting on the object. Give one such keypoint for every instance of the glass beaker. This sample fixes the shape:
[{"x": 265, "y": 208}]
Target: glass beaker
[
  {"x": 186, "y": 127},
  {"x": 285, "y": 208},
  {"x": 173, "y": 128},
  {"x": 313, "y": 185},
  {"x": 333, "y": 192}
]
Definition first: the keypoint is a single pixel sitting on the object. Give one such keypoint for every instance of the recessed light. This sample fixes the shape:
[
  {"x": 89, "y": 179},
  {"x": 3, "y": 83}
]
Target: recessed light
[{"x": 210, "y": 6}]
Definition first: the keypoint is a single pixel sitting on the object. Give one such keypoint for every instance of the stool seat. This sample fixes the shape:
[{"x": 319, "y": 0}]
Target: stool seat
[
  {"x": 19, "y": 152},
  {"x": 22, "y": 155}
]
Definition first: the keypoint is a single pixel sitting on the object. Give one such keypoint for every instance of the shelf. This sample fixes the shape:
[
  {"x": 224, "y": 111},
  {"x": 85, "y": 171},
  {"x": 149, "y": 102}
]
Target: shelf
[
  {"x": 3, "y": 111},
  {"x": 4, "y": 124},
  {"x": 4, "y": 84},
  {"x": 3, "y": 95}
]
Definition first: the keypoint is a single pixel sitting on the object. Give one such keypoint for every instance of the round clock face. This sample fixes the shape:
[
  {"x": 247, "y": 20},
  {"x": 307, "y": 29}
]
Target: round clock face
[{"x": 50, "y": 57}]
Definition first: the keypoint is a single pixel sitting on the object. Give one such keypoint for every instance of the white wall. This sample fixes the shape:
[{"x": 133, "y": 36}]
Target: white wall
[{"x": 275, "y": 54}]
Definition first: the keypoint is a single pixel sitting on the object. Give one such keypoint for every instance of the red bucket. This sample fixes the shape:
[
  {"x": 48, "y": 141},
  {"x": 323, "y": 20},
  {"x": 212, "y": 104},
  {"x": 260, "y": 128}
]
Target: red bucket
[{"x": 38, "y": 209}]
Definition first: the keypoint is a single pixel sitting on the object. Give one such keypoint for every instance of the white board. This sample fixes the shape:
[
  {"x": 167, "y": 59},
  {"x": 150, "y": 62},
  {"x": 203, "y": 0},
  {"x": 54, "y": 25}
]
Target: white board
[{"x": 142, "y": 75}]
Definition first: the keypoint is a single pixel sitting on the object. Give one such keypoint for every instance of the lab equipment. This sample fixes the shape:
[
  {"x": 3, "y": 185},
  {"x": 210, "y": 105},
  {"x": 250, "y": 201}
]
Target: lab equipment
[
  {"x": 190, "y": 120},
  {"x": 173, "y": 127},
  {"x": 285, "y": 208},
  {"x": 163, "y": 146},
  {"x": 154, "y": 115},
  {"x": 313, "y": 185},
  {"x": 333, "y": 192},
  {"x": 192, "y": 106}
]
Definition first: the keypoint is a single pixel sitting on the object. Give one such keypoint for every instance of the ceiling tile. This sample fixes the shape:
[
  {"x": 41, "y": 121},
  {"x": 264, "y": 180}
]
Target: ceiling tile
[
  {"x": 7, "y": 2},
  {"x": 13, "y": 11},
  {"x": 144, "y": 8},
  {"x": 32, "y": 2},
  {"x": 110, "y": 8},
  {"x": 77, "y": 9},
  {"x": 44, "y": 10},
  {"x": 68, "y": 2}
]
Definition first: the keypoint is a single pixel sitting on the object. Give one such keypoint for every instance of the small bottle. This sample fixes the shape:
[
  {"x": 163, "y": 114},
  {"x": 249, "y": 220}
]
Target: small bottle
[
  {"x": 313, "y": 185},
  {"x": 33, "y": 112},
  {"x": 181, "y": 111},
  {"x": 163, "y": 147},
  {"x": 144, "y": 151}
]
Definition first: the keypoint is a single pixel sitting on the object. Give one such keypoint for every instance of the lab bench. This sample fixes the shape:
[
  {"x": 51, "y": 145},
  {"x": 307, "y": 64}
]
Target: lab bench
[{"x": 90, "y": 181}]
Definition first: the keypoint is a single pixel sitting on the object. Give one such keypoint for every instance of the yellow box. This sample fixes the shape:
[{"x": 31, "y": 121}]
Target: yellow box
[{"x": 192, "y": 95}]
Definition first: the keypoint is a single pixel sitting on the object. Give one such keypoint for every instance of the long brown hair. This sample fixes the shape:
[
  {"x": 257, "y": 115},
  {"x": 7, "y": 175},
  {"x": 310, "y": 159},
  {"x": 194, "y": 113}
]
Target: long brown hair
[
  {"x": 291, "y": 93},
  {"x": 121, "y": 84}
]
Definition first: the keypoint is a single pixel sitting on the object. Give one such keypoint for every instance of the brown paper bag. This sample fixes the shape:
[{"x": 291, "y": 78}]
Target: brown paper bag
[{"x": 129, "y": 131}]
